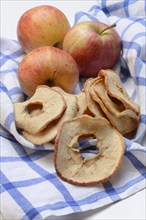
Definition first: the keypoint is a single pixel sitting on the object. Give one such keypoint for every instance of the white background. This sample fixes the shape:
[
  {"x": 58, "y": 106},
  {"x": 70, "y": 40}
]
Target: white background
[{"x": 130, "y": 208}]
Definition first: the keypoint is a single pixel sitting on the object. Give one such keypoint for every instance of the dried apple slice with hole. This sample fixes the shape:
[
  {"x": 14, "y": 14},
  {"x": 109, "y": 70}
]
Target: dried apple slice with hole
[
  {"x": 93, "y": 106},
  {"x": 99, "y": 88},
  {"x": 115, "y": 109},
  {"x": 45, "y": 99},
  {"x": 124, "y": 123},
  {"x": 116, "y": 90},
  {"x": 49, "y": 133},
  {"x": 82, "y": 104},
  {"x": 123, "y": 118},
  {"x": 70, "y": 165}
]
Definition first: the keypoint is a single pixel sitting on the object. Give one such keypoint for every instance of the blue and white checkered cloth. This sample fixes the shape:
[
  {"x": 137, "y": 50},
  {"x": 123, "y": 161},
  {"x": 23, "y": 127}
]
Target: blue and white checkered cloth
[{"x": 30, "y": 188}]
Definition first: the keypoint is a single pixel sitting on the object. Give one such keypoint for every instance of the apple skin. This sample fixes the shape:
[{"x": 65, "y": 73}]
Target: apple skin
[
  {"x": 47, "y": 66},
  {"x": 42, "y": 26},
  {"x": 91, "y": 50}
]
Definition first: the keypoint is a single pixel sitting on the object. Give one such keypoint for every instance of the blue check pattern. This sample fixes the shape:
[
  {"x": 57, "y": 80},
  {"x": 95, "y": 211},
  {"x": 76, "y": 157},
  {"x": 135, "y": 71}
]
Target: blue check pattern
[{"x": 29, "y": 184}]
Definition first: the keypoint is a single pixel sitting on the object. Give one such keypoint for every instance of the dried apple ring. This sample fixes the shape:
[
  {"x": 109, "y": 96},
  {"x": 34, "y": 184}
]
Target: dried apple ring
[
  {"x": 69, "y": 164},
  {"x": 92, "y": 105},
  {"x": 34, "y": 119},
  {"x": 125, "y": 122},
  {"x": 82, "y": 104},
  {"x": 108, "y": 92},
  {"x": 50, "y": 132},
  {"x": 115, "y": 89}
]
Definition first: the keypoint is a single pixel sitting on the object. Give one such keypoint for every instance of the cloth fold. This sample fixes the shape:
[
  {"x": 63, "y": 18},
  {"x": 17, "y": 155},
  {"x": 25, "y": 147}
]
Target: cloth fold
[{"x": 29, "y": 184}]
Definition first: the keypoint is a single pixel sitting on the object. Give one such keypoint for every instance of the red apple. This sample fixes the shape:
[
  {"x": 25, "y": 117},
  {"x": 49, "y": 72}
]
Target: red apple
[
  {"x": 93, "y": 45},
  {"x": 42, "y": 26},
  {"x": 47, "y": 66}
]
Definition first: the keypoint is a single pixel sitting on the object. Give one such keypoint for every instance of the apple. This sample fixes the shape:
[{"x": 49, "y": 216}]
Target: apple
[
  {"x": 42, "y": 26},
  {"x": 47, "y": 66},
  {"x": 93, "y": 45}
]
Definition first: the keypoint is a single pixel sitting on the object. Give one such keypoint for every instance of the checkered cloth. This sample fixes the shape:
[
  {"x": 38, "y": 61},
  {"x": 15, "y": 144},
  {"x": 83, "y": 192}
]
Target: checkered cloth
[{"x": 30, "y": 188}]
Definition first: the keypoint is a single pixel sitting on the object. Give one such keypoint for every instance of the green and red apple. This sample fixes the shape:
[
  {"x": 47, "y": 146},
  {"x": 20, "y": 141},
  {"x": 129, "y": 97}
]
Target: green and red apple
[
  {"x": 42, "y": 26},
  {"x": 47, "y": 66},
  {"x": 93, "y": 45}
]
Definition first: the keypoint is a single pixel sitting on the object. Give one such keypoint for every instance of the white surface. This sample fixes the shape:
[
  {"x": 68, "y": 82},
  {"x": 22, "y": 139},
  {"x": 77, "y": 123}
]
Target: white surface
[{"x": 130, "y": 208}]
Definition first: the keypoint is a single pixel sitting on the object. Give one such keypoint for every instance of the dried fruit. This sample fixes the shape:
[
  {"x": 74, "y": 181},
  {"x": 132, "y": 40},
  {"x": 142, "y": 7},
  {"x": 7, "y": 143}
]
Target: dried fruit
[
  {"x": 43, "y": 107},
  {"x": 49, "y": 133},
  {"x": 68, "y": 160}
]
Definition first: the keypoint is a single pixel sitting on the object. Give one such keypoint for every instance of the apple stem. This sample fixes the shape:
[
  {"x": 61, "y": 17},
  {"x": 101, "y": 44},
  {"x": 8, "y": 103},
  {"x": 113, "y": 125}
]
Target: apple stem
[{"x": 109, "y": 27}]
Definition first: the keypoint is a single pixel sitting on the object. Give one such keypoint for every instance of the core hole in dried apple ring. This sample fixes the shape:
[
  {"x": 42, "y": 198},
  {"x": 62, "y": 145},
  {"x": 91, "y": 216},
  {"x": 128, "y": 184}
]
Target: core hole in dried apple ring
[
  {"x": 37, "y": 107},
  {"x": 88, "y": 146},
  {"x": 117, "y": 102}
]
